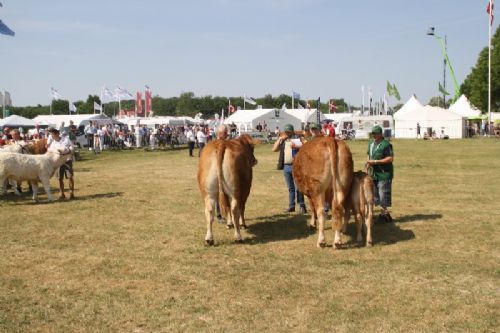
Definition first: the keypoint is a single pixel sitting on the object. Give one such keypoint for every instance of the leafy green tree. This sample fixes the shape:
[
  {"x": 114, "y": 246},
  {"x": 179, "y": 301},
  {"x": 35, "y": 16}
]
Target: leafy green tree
[
  {"x": 437, "y": 101},
  {"x": 475, "y": 85}
]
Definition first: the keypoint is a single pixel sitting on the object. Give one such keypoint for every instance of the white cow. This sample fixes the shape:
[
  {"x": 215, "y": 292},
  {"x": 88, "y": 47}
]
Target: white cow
[
  {"x": 33, "y": 168},
  {"x": 20, "y": 148}
]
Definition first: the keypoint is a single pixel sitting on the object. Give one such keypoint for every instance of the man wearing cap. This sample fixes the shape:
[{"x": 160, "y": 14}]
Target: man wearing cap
[
  {"x": 315, "y": 130},
  {"x": 288, "y": 145},
  {"x": 57, "y": 142},
  {"x": 380, "y": 158}
]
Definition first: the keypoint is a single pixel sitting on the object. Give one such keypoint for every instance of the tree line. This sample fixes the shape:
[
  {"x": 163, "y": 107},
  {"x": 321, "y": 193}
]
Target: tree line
[{"x": 187, "y": 104}]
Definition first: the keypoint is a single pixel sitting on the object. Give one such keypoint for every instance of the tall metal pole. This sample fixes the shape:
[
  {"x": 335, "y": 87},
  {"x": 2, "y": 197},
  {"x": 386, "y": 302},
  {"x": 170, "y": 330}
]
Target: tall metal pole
[
  {"x": 489, "y": 68},
  {"x": 444, "y": 73}
]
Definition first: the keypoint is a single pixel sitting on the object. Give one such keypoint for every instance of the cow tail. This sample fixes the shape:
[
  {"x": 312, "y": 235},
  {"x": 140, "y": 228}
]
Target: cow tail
[
  {"x": 335, "y": 176},
  {"x": 223, "y": 200}
]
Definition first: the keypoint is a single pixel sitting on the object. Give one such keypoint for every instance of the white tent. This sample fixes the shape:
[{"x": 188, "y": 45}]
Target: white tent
[
  {"x": 16, "y": 121},
  {"x": 463, "y": 107},
  {"x": 411, "y": 105},
  {"x": 430, "y": 118},
  {"x": 305, "y": 115},
  {"x": 78, "y": 119},
  {"x": 247, "y": 120}
]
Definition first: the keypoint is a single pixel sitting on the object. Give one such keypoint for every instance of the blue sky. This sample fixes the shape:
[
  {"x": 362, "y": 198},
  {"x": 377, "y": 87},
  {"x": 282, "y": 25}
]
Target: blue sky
[{"x": 324, "y": 48}]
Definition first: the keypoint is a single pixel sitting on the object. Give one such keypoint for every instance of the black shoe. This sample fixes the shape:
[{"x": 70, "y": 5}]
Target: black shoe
[
  {"x": 383, "y": 219},
  {"x": 388, "y": 217},
  {"x": 290, "y": 210},
  {"x": 303, "y": 210}
]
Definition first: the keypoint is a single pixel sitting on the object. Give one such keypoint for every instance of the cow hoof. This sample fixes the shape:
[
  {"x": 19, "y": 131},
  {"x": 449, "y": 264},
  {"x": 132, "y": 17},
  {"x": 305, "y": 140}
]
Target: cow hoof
[
  {"x": 238, "y": 241},
  {"x": 244, "y": 226},
  {"x": 337, "y": 246},
  {"x": 209, "y": 242},
  {"x": 321, "y": 245},
  {"x": 229, "y": 226},
  {"x": 369, "y": 244},
  {"x": 312, "y": 227}
]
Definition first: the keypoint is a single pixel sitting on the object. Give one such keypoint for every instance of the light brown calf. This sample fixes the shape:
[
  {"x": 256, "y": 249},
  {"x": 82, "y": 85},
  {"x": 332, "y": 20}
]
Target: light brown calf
[{"x": 360, "y": 202}]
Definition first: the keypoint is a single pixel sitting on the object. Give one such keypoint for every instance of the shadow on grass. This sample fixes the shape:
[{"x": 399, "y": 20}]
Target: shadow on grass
[
  {"x": 278, "y": 228},
  {"x": 98, "y": 196},
  {"x": 417, "y": 217},
  {"x": 386, "y": 234},
  {"x": 25, "y": 198}
]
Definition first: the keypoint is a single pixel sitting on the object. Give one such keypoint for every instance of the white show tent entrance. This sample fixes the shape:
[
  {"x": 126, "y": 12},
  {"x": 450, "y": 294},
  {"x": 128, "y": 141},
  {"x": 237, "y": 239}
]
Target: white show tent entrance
[
  {"x": 430, "y": 118},
  {"x": 247, "y": 120}
]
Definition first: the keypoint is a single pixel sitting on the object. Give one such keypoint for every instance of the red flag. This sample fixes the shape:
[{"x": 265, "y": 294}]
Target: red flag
[
  {"x": 147, "y": 97},
  {"x": 331, "y": 106},
  {"x": 489, "y": 10},
  {"x": 138, "y": 103}
]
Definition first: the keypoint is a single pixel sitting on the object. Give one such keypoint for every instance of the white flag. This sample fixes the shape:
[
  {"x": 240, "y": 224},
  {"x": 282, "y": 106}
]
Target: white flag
[
  {"x": 72, "y": 107},
  {"x": 108, "y": 95},
  {"x": 7, "y": 100},
  {"x": 249, "y": 100},
  {"x": 299, "y": 106},
  {"x": 54, "y": 93},
  {"x": 97, "y": 107},
  {"x": 123, "y": 93}
]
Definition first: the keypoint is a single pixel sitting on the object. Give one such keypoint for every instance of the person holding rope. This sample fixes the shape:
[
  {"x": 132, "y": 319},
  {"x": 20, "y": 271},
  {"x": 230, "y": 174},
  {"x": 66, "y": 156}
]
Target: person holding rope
[
  {"x": 57, "y": 142},
  {"x": 380, "y": 168}
]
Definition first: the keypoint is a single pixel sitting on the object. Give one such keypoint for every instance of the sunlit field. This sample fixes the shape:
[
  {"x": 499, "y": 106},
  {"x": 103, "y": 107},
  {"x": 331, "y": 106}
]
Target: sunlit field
[{"x": 128, "y": 254}]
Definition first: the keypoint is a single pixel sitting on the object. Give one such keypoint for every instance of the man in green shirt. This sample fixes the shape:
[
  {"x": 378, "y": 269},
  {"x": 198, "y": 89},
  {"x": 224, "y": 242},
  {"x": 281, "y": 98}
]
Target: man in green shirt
[{"x": 380, "y": 158}]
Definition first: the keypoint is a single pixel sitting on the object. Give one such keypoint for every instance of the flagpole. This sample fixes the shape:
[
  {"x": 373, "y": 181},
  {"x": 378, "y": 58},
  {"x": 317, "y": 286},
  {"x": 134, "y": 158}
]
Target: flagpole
[
  {"x": 102, "y": 104},
  {"x": 293, "y": 101},
  {"x": 489, "y": 65},
  {"x": 3, "y": 104},
  {"x": 244, "y": 102}
]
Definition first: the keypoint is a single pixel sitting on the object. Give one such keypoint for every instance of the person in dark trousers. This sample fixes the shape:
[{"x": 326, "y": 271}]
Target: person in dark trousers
[
  {"x": 288, "y": 145},
  {"x": 380, "y": 158}
]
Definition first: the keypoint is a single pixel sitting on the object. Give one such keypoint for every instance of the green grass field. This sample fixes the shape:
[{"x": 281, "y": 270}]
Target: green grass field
[{"x": 128, "y": 254}]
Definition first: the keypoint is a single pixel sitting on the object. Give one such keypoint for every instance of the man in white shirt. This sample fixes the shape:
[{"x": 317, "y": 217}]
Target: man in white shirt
[
  {"x": 63, "y": 143},
  {"x": 202, "y": 139},
  {"x": 191, "y": 140}
]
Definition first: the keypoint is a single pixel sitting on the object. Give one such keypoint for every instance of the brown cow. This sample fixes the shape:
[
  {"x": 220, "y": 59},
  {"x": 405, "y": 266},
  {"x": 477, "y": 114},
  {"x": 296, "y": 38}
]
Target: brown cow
[
  {"x": 360, "y": 202},
  {"x": 225, "y": 172},
  {"x": 321, "y": 165}
]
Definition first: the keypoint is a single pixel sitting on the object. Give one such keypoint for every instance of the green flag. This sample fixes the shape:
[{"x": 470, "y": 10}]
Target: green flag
[
  {"x": 396, "y": 92},
  {"x": 390, "y": 91},
  {"x": 441, "y": 90}
]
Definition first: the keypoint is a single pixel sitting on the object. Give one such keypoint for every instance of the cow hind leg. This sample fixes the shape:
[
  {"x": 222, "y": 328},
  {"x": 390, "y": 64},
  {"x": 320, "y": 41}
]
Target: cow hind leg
[
  {"x": 13, "y": 184},
  {"x": 368, "y": 224},
  {"x": 314, "y": 217},
  {"x": 209, "y": 218},
  {"x": 235, "y": 212},
  {"x": 337, "y": 222},
  {"x": 46, "y": 186},
  {"x": 34, "y": 187},
  {"x": 321, "y": 216}
]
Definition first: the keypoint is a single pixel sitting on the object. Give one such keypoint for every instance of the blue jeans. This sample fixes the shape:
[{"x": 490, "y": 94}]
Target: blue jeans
[
  {"x": 292, "y": 188},
  {"x": 383, "y": 189}
]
